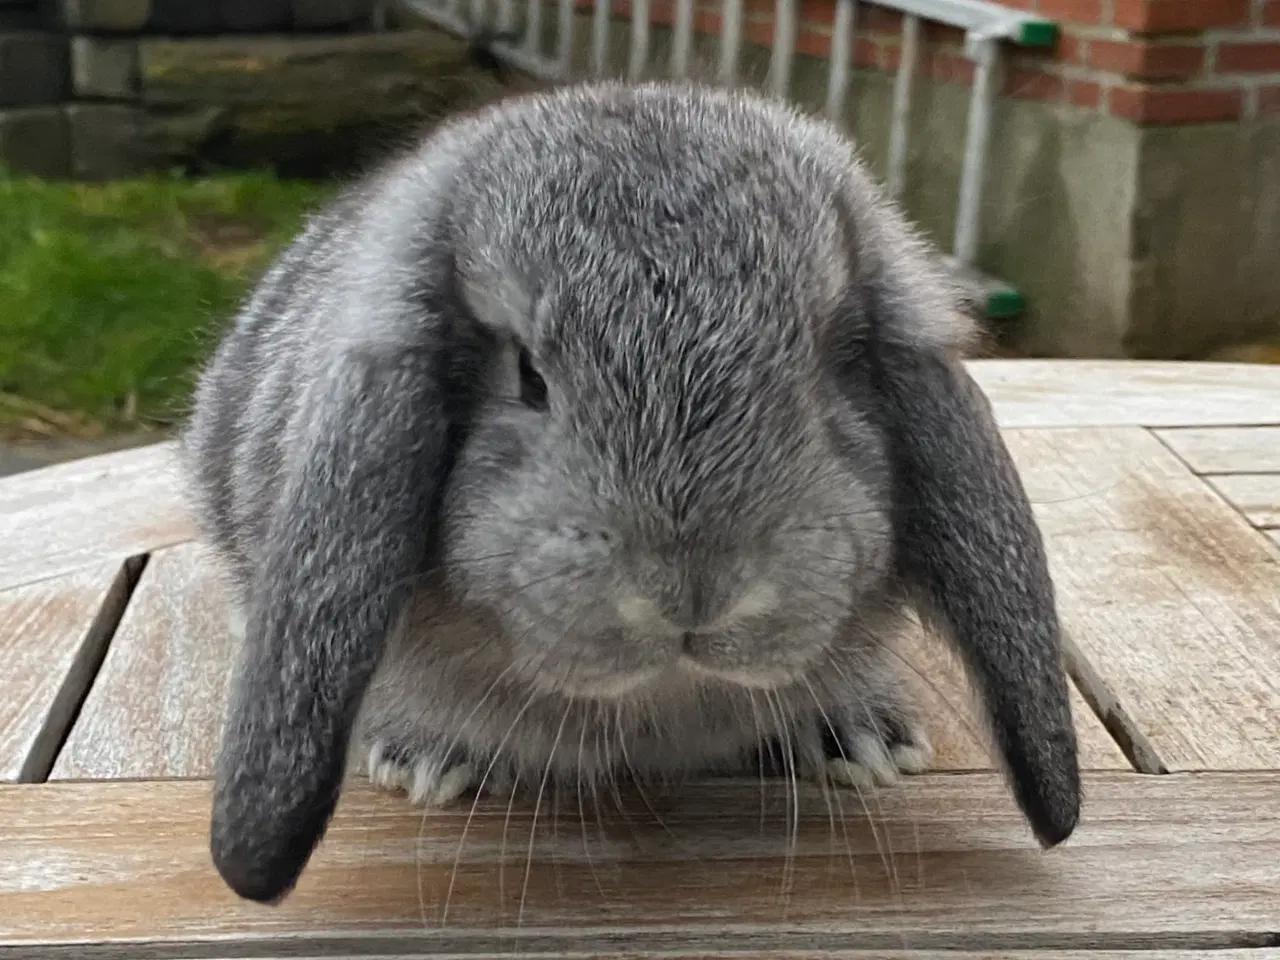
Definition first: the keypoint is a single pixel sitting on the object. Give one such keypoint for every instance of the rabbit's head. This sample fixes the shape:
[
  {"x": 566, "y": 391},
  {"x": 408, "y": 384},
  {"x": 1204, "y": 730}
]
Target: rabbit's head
[
  {"x": 656, "y": 378},
  {"x": 664, "y": 469}
]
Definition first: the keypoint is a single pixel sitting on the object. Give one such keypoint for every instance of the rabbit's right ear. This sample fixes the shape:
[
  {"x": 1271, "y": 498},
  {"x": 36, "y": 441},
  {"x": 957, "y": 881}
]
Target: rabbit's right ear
[{"x": 349, "y": 533}]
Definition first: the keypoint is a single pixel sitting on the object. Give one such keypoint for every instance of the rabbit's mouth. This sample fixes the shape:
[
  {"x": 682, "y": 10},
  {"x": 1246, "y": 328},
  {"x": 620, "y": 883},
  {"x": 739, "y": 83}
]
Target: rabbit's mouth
[{"x": 753, "y": 677}]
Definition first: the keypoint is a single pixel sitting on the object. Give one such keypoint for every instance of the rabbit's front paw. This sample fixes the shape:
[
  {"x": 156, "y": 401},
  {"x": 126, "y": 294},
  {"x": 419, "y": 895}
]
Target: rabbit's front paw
[
  {"x": 875, "y": 749},
  {"x": 430, "y": 778}
]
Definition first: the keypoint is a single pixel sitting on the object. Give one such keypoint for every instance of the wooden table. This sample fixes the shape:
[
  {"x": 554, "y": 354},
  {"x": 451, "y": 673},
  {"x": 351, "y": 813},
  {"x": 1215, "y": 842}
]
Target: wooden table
[{"x": 1158, "y": 487}]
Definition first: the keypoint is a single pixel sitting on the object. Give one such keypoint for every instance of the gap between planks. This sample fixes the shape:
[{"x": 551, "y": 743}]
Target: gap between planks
[
  {"x": 54, "y": 635},
  {"x": 1170, "y": 602}
]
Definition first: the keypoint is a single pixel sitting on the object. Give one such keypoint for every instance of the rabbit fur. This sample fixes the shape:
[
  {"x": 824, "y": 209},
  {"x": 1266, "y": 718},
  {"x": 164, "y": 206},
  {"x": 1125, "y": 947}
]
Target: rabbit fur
[{"x": 612, "y": 430}]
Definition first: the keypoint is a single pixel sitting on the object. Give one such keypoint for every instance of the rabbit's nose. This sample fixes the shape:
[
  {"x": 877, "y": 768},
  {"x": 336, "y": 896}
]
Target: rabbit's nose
[{"x": 687, "y": 605}]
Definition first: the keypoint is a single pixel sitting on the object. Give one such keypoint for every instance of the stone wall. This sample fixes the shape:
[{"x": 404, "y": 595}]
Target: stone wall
[{"x": 94, "y": 89}]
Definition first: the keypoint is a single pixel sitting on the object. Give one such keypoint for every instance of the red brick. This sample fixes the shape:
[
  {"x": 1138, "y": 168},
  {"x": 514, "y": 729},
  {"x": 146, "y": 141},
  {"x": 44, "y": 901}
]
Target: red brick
[
  {"x": 1069, "y": 49},
  {"x": 866, "y": 53},
  {"x": 1268, "y": 100},
  {"x": 1271, "y": 13},
  {"x": 1026, "y": 84},
  {"x": 879, "y": 20},
  {"x": 1146, "y": 60},
  {"x": 1072, "y": 11},
  {"x": 817, "y": 11},
  {"x": 755, "y": 31},
  {"x": 949, "y": 66},
  {"x": 1143, "y": 104},
  {"x": 1262, "y": 57},
  {"x": 705, "y": 22},
  {"x": 941, "y": 33},
  {"x": 1179, "y": 16},
  {"x": 1084, "y": 93},
  {"x": 813, "y": 42},
  {"x": 890, "y": 57}
]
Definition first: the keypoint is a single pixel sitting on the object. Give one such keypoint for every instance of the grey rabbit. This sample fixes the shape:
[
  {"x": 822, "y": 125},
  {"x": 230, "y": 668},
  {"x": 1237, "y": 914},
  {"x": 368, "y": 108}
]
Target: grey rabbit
[{"x": 614, "y": 429}]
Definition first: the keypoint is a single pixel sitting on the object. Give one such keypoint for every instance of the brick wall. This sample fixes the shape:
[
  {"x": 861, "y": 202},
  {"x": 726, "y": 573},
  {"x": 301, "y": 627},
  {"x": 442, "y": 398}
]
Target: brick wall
[{"x": 1146, "y": 61}]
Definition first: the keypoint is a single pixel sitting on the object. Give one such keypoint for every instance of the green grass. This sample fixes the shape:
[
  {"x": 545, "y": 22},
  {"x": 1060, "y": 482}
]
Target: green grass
[{"x": 111, "y": 294}]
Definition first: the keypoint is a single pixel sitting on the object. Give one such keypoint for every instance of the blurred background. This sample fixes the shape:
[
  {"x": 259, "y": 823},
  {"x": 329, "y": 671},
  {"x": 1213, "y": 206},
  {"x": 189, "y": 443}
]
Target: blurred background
[{"x": 1105, "y": 172}]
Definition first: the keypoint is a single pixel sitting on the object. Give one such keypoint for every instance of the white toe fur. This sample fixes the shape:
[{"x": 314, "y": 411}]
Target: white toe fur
[
  {"x": 913, "y": 757},
  {"x": 383, "y": 773},
  {"x": 871, "y": 764},
  {"x": 425, "y": 782}
]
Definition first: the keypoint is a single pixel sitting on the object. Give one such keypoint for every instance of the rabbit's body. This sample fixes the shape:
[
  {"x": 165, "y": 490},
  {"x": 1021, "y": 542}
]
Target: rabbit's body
[{"x": 607, "y": 434}]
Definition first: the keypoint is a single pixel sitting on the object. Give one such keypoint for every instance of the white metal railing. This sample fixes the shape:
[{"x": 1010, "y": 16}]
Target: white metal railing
[{"x": 986, "y": 26}]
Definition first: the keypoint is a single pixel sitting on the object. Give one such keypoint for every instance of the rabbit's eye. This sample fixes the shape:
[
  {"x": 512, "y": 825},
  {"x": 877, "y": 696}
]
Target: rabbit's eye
[{"x": 533, "y": 389}]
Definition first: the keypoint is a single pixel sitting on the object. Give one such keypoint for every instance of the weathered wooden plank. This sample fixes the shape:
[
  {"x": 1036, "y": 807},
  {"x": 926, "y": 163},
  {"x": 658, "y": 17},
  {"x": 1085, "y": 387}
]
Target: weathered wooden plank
[
  {"x": 1098, "y": 393},
  {"x": 1258, "y": 953},
  {"x": 1227, "y": 449},
  {"x": 75, "y": 515},
  {"x": 949, "y": 712},
  {"x": 694, "y": 953},
  {"x": 1257, "y": 496},
  {"x": 1171, "y": 598},
  {"x": 52, "y": 638},
  {"x": 669, "y": 948},
  {"x": 78, "y": 860},
  {"x": 157, "y": 705},
  {"x": 156, "y": 708}
]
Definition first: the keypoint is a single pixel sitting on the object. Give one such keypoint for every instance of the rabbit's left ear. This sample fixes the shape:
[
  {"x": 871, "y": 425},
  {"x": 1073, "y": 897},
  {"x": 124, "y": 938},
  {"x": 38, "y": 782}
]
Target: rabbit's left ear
[
  {"x": 968, "y": 545},
  {"x": 969, "y": 550}
]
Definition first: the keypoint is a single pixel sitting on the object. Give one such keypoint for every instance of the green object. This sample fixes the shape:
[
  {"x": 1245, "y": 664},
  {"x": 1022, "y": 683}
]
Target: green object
[
  {"x": 1003, "y": 303},
  {"x": 1036, "y": 33},
  {"x": 112, "y": 293}
]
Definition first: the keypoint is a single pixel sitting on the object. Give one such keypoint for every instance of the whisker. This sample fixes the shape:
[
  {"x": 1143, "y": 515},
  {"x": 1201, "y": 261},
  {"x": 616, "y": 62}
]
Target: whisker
[
  {"x": 533, "y": 830},
  {"x": 886, "y": 854},
  {"x": 828, "y": 793},
  {"x": 961, "y": 716},
  {"x": 497, "y": 753},
  {"x": 582, "y": 814}
]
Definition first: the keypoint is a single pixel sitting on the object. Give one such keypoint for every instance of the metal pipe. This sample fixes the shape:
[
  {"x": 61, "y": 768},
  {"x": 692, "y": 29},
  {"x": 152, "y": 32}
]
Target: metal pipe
[
  {"x": 730, "y": 39},
  {"x": 564, "y": 37},
  {"x": 600, "y": 15},
  {"x": 536, "y": 66},
  {"x": 842, "y": 37},
  {"x": 985, "y": 53},
  {"x": 784, "y": 45},
  {"x": 506, "y": 15},
  {"x": 682, "y": 41},
  {"x": 901, "y": 121},
  {"x": 533, "y": 28},
  {"x": 639, "y": 56}
]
